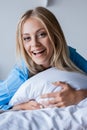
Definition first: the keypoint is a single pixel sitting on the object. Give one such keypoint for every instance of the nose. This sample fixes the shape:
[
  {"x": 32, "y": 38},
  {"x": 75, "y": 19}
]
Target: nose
[{"x": 34, "y": 41}]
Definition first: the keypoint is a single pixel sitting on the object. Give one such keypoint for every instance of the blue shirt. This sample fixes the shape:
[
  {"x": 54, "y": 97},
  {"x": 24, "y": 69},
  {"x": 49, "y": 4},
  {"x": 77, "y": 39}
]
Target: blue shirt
[{"x": 19, "y": 74}]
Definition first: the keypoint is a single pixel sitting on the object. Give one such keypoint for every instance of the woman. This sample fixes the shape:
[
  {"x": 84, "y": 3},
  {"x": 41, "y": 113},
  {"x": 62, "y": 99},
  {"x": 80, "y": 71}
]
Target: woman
[{"x": 41, "y": 44}]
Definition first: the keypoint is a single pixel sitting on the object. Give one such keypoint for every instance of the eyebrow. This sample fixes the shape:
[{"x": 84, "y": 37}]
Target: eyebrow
[{"x": 35, "y": 32}]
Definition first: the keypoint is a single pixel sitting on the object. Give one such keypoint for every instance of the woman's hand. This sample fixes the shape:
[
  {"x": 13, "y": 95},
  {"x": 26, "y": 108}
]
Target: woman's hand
[
  {"x": 65, "y": 97},
  {"x": 31, "y": 105}
]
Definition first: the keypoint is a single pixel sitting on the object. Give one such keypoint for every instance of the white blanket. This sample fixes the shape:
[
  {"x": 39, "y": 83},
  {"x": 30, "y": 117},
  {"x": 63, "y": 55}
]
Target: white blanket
[{"x": 70, "y": 118}]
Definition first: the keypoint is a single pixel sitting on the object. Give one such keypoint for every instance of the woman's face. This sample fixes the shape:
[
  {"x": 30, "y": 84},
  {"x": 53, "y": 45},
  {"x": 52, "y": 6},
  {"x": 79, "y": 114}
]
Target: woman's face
[{"x": 36, "y": 42}]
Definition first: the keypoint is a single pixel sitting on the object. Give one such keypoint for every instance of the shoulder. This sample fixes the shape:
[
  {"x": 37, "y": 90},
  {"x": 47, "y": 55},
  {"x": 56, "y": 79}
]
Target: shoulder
[
  {"x": 21, "y": 69},
  {"x": 71, "y": 49}
]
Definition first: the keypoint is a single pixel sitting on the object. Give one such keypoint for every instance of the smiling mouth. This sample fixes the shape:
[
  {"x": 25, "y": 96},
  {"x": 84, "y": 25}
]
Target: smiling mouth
[{"x": 39, "y": 52}]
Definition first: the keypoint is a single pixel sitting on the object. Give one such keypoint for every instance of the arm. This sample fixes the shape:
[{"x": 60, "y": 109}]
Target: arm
[
  {"x": 8, "y": 87},
  {"x": 30, "y": 105},
  {"x": 68, "y": 96}
]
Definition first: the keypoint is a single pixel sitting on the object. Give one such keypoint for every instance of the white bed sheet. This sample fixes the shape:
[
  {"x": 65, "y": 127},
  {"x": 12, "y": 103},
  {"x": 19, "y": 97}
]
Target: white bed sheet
[{"x": 70, "y": 118}]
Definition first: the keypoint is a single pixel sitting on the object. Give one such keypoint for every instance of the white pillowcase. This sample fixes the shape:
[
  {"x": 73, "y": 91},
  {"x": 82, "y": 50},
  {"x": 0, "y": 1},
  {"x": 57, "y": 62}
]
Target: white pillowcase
[{"x": 41, "y": 83}]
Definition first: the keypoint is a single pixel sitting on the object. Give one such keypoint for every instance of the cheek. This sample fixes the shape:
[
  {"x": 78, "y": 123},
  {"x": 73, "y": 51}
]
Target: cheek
[{"x": 27, "y": 48}]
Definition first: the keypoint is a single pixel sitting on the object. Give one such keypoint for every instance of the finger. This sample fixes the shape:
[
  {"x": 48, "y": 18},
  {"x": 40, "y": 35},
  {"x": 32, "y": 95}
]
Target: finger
[
  {"x": 56, "y": 83},
  {"x": 50, "y": 102},
  {"x": 60, "y": 83},
  {"x": 54, "y": 104},
  {"x": 34, "y": 105},
  {"x": 49, "y": 95},
  {"x": 59, "y": 105}
]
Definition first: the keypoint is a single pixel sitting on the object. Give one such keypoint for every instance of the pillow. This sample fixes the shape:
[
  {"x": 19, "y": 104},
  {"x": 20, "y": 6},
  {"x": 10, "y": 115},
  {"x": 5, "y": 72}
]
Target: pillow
[{"x": 41, "y": 83}]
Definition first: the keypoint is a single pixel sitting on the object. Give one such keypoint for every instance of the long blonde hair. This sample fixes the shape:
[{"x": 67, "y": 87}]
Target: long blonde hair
[{"x": 60, "y": 58}]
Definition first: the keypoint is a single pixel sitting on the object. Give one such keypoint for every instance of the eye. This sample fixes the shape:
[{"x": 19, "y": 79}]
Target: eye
[
  {"x": 41, "y": 34},
  {"x": 26, "y": 39}
]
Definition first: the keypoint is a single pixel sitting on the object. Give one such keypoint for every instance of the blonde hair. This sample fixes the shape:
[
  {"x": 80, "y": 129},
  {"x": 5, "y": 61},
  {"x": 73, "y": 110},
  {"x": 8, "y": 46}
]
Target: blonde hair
[{"x": 60, "y": 58}]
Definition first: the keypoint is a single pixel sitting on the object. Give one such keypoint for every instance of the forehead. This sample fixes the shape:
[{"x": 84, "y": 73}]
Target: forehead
[{"x": 32, "y": 25}]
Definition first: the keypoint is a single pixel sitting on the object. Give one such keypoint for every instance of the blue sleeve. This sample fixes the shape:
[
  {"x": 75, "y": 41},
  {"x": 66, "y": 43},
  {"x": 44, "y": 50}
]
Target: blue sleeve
[
  {"x": 78, "y": 60},
  {"x": 8, "y": 87}
]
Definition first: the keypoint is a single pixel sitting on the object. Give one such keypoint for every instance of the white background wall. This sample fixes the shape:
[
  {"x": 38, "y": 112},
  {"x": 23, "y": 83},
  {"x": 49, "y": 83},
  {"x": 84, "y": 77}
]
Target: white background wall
[{"x": 72, "y": 15}]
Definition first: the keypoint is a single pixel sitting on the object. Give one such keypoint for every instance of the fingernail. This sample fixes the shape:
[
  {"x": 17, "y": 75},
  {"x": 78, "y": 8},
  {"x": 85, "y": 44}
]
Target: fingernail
[{"x": 41, "y": 106}]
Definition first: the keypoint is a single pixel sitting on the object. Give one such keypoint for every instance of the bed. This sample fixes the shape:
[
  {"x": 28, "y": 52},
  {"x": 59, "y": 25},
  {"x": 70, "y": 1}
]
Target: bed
[
  {"x": 69, "y": 118},
  {"x": 73, "y": 117}
]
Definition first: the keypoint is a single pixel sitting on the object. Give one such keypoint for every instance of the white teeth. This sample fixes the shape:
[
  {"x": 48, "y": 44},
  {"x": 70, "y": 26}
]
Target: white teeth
[{"x": 37, "y": 52}]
